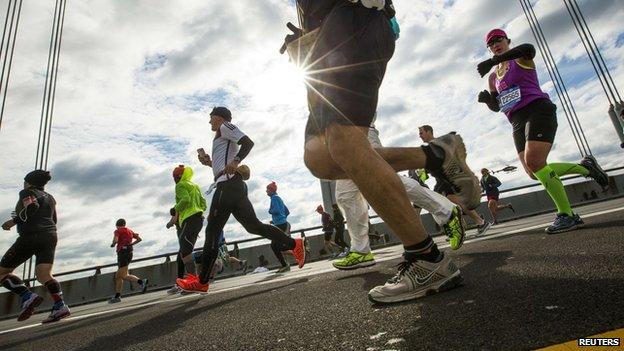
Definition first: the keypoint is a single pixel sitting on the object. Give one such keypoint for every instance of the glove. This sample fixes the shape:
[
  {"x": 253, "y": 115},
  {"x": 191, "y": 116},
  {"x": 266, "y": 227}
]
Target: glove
[
  {"x": 484, "y": 67},
  {"x": 297, "y": 33},
  {"x": 484, "y": 97}
]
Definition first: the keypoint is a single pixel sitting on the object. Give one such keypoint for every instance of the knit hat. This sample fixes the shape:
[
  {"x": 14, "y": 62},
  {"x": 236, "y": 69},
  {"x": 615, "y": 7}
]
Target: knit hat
[{"x": 38, "y": 178}]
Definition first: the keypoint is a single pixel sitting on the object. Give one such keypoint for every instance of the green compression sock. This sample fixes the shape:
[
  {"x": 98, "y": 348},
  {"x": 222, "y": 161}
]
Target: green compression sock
[
  {"x": 568, "y": 168},
  {"x": 549, "y": 179}
]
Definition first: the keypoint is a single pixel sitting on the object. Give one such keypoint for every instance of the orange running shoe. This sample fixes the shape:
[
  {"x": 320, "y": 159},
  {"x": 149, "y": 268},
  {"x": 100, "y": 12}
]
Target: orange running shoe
[
  {"x": 188, "y": 277},
  {"x": 192, "y": 285},
  {"x": 299, "y": 252}
]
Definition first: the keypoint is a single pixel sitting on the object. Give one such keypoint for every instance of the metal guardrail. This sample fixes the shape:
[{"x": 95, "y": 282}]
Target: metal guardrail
[{"x": 302, "y": 232}]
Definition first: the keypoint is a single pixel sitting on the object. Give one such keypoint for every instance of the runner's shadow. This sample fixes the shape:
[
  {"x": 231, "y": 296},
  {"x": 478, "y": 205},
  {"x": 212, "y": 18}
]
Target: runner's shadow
[
  {"x": 166, "y": 323},
  {"x": 68, "y": 326},
  {"x": 609, "y": 224},
  {"x": 371, "y": 279}
]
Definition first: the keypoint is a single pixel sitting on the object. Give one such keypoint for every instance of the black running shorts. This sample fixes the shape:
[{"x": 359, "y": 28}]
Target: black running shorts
[
  {"x": 346, "y": 67},
  {"x": 536, "y": 121},
  {"x": 41, "y": 245},
  {"x": 124, "y": 257}
]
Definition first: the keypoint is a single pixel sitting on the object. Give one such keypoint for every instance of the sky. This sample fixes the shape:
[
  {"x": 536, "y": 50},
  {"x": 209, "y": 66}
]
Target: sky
[{"x": 137, "y": 80}]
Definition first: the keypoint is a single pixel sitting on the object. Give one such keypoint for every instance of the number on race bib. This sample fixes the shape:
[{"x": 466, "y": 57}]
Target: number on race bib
[{"x": 508, "y": 98}]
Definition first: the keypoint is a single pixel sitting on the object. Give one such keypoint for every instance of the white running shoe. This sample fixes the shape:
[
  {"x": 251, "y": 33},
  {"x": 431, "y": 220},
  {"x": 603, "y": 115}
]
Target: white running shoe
[
  {"x": 417, "y": 279},
  {"x": 57, "y": 314},
  {"x": 28, "y": 306}
]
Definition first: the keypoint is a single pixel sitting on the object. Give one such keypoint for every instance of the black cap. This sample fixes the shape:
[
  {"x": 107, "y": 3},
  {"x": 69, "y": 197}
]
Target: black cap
[
  {"x": 38, "y": 178},
  {"x": 222, "y": 112},
  {"x": 121, "y": 222}
]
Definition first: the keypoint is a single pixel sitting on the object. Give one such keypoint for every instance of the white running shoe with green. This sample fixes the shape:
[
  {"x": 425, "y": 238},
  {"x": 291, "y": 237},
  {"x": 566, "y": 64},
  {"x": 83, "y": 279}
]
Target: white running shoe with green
[
  {"x": 417, "y": 279},
  {"x": 355, "y": 260}
]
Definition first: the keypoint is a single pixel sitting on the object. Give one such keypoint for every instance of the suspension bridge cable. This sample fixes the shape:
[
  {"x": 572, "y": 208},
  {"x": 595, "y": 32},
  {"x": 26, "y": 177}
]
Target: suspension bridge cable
[
  {"x": 4, "y": 85},
  {"x": 595, "y": 50}
]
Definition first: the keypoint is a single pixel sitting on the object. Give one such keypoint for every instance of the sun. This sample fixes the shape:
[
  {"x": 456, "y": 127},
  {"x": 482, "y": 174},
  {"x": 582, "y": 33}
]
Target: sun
[{"x": 282, "y": 82}]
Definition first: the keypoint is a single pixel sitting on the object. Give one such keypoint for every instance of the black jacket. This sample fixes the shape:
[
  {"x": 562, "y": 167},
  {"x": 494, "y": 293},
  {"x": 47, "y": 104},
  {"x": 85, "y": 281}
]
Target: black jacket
[
  {"x": 490, "y": 185},
  {"x": 35, "y": 212}
]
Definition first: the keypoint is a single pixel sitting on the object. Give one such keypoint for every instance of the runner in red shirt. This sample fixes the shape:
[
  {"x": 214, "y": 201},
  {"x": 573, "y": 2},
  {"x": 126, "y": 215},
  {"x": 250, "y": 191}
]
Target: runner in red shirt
[{"x": 125, "y": 239}]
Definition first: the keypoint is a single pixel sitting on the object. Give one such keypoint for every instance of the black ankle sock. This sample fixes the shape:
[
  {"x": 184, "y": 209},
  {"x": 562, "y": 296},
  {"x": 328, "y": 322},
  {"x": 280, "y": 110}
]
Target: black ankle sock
[
  {"x": 435, "y": 157},
  {"x": 117, "y": 295},
  {"x": 414, "y": 253}
]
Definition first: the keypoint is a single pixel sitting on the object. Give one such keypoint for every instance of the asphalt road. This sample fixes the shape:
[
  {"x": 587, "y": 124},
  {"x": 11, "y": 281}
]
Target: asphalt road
[{"x": 523, "y": 289}]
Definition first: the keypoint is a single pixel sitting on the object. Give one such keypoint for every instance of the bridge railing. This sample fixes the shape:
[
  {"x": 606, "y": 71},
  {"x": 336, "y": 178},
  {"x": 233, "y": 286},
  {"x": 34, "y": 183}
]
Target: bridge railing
[{"x": 167, "y": 256}]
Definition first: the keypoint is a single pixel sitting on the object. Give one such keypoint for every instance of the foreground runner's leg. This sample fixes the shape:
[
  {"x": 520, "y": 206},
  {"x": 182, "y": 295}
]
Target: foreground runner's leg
[
  {"x": 59, "y": 309},
  {"x": 29, "y": 300},
  {"x": 533, "y": 159},
  {"x": 230, "y": 197}
]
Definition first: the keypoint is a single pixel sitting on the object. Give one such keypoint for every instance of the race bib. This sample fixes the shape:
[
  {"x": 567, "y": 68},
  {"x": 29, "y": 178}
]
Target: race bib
[{"x": 508, "y": 98}]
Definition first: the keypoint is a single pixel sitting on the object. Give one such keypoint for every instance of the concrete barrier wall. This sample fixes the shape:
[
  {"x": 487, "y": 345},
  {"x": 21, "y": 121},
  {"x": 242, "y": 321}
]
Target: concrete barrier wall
[{"x": 100, "y": 287}]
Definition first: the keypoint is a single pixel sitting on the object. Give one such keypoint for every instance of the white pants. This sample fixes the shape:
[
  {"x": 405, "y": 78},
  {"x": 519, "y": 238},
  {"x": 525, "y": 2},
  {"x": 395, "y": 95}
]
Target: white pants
[
  {"x": 439, "y": 206},
  {"x": 355, "y": 208}
]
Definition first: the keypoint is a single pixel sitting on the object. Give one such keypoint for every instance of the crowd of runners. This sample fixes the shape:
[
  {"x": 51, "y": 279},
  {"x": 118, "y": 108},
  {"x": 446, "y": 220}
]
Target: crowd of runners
[{"x": 344, "y": 45}]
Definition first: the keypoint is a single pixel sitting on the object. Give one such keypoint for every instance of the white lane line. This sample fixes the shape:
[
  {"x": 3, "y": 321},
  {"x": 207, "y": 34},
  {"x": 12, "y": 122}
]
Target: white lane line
[{"x": 297, "y": 276}]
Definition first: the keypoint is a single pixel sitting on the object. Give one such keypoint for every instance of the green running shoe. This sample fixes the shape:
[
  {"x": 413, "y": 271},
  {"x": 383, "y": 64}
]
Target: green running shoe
[
  {"x": 455, "y": 228},
  {"x": 355, "y": 260}
]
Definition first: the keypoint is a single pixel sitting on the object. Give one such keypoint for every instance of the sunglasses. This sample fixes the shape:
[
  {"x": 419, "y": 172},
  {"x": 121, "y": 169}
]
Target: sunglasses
[{"x": 495, "y": 41}]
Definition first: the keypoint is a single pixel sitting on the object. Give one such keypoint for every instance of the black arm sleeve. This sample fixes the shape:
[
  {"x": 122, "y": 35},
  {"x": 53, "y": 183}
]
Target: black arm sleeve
[
  {"x": 524, "y": 51},
  {"x": 246, "y": 146}
]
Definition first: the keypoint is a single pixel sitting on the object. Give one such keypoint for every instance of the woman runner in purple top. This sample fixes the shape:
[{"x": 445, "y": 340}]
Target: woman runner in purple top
[{"x": 514, "y": 89}]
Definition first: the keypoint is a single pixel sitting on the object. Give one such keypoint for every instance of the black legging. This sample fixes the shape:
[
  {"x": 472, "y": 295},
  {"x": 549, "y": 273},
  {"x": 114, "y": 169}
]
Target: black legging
[
  {"x": 180, "y": 263},
  {"x": 188, "y": 233},
  {"x": 230, "y": 197},
  {"x": 285, "y": 227},
  {"x": 339, "y": 237},
  {"x": 181, "y": 268}
]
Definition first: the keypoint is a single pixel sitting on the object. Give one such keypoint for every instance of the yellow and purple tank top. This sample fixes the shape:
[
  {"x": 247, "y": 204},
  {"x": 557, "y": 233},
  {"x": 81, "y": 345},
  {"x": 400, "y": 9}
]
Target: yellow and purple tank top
[{"x": 517, "y": 87}]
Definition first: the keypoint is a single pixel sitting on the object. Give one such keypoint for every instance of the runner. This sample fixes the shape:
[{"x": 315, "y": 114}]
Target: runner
[
  {"x": 490, "y": 184},
  {"x": 123, "y": 237},
  {"x": 190, "y": 206},
  {"x": 328, "y": 232},
  {"x": 444, "y": 187},
  {"x": 339, "y": 228},
  {"x": 345, "y": 64},
  {"x": 36, "y": 220},
  {"x": 229, "y": 147},
  {"x": 279, "y": 215},
  {"x": 515, "y": 90}
]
